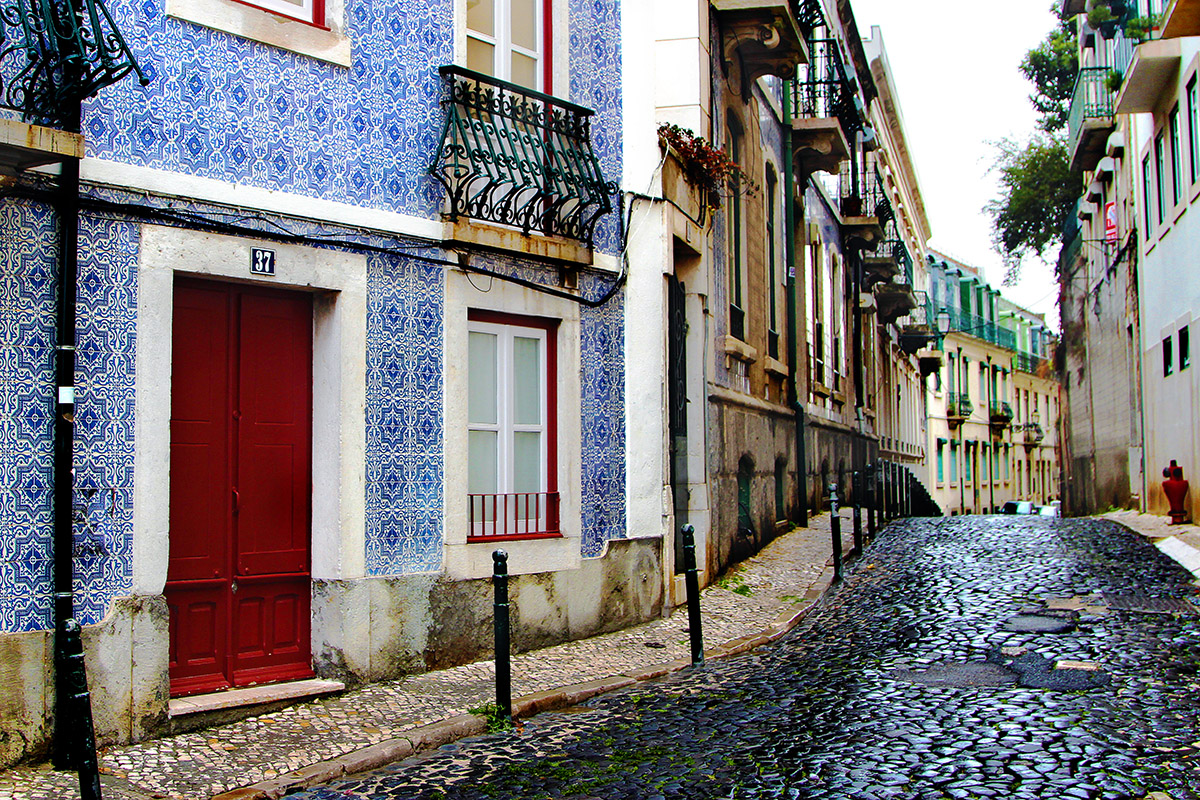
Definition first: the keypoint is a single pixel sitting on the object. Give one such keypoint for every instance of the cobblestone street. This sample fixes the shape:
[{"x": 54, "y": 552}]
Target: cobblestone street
[{"x": 963, "y": 658}]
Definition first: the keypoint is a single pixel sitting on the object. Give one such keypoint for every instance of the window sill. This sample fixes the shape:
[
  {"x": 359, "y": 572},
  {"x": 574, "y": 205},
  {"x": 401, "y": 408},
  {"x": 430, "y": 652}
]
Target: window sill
[
  {"x": 736, "y": 348},
  {"x": 23, "y": 146},
  {"x": 513, "y": 537},
  {"x": 776, "y": 367},
  {"x": 261, "y": 25}
]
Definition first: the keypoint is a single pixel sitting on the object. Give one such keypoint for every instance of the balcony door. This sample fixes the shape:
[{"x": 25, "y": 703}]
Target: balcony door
[{"x": 238, "y": 575}]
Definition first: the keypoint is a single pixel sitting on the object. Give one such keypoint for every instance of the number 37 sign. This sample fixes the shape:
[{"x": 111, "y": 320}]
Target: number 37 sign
[{"x": 262, "y": 262}]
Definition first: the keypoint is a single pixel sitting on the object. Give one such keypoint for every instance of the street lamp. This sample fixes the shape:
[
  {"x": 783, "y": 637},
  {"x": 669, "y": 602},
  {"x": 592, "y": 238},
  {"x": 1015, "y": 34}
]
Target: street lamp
[{"x": 942, "y": 322}]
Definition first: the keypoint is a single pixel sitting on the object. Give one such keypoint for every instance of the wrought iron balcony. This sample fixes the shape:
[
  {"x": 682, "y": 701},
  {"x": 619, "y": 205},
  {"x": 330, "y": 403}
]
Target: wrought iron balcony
[
  {"x": 865, "y": 207},
  {"x": 920, "y": 327},
  {"x": 1033, "y": 434},
  {"x": 519, "y": 158},
  {"x": 1091, "y": 117},
  {"x": 1001, "y": 414},
  {"x": 825, "y": 119},
  {"x": 55, "y": 53},
  {"x": 1032, "y": 363},
  {"x": 958, "y": 407}
]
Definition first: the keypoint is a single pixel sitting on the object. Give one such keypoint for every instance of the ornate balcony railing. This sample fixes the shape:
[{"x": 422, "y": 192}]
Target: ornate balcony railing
[
  {"x": 821, "y": 88},
  {"x": 1091, "y": 101},
  {"x": 809, "y": 15},
  {"x": 1033, "y": 434},
  {"x": 516, "y": 157},
  {"x": 1001, "y": 413},
  {"x": 958, "y": 406},
  {"x": 862, "y": 194},
  {"x": 54, "y": 53},
  {"x": 1030, "y": 362}
]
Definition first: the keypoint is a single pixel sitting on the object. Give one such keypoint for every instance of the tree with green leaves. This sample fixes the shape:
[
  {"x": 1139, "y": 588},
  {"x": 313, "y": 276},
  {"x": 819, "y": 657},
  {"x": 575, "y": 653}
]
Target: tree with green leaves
[{"x": 1037, "y": 188}]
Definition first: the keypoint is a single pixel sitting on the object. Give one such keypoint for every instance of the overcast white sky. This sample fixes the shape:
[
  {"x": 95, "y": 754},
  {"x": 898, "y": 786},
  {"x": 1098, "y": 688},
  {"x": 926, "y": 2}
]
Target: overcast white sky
[{"x": 955, "y": 65}]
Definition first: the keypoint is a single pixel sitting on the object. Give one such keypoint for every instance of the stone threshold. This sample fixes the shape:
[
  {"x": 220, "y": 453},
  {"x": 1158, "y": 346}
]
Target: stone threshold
[{"x": 252, "y": 696}]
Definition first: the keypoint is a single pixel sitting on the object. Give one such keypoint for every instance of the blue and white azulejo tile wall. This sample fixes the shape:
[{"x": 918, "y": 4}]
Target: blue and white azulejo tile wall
[{"x": 103, "y": 500}]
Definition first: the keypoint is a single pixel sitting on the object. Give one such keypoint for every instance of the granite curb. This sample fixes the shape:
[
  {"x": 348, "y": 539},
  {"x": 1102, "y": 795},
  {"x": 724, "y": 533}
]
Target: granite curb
[{"x": 451, "y": 730}]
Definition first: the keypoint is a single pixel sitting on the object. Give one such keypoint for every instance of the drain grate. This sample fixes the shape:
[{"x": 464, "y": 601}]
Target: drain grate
[{"x": 1143, "y": 604}]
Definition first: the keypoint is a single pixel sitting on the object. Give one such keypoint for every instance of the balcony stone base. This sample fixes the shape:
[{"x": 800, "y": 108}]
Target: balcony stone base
[
  {"x": 24, "y": 146},
  {"x": 819, "y": 145}
]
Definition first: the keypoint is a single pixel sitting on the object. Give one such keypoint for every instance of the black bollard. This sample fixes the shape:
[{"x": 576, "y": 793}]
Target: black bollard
[
  {"x": 869, "y": 490},
  {"x": 856, "y": 486},
  {"x": 691, "y": 581},
  {"x": 835, "y": 525},
  {"x": 83, "y": 746},
  {"x": 503, "y": 648}
]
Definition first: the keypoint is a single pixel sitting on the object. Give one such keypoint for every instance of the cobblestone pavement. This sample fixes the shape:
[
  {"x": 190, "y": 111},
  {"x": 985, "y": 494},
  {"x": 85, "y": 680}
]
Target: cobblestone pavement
[
  {"x": 929, "y": 674},
  {"x": 784, "y": 578}
]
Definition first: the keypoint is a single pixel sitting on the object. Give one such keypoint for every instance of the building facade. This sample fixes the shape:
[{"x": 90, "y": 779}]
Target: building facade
[
  {"x": 994, "y": 403},
  {"x": 1130, "y": 302},
  {"x": 331, "y": 352}
]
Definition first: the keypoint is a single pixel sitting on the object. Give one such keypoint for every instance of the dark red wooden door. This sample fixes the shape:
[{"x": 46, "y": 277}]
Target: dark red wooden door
[{"x": 238, "y": 581}]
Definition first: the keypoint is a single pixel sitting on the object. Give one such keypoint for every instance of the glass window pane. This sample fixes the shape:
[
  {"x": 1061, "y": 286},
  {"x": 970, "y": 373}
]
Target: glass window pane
[
  {"x": 482, "y": 462},
  {"x": 527, "y": 381},
  {"x": 527, "y": 462},
  {"x": 481, "y": 369},
  {"x": 481, "y": 57},
  {"x": 524, "y": 24},
  {"x": 524, "y": 71},
  {"x": 481, "y": 16}
]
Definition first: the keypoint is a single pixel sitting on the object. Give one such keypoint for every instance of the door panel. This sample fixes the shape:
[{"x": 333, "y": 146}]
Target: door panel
[{"x": 238, "y": 583}]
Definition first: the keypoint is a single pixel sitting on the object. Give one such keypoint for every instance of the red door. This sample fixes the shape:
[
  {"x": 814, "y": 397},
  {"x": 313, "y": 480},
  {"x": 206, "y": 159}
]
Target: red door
[{"x": 238, "y": 581}]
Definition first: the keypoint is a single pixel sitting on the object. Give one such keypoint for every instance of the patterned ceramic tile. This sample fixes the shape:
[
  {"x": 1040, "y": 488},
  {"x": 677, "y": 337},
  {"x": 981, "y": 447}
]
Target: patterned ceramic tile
[{"x": 224, "y": 107}]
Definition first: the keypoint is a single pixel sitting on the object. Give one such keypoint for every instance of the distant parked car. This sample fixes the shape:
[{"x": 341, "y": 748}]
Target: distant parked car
[
  {"x": 1049, "y": 511},
  {"x": 1018, "y": 507}
]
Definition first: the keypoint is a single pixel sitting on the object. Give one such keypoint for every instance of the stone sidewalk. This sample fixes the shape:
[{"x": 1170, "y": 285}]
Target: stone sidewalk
[
  {"x": 1180, "y": 542},
  {"x": 267, "y": 756}
]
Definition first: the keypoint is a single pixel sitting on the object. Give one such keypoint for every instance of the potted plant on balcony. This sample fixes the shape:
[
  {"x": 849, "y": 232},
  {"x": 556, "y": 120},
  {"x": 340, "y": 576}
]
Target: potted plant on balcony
[
  {"x": 1113, "y": 80},
  {"x": 705, "y": 167},
  {"x": 1103, "y": 15},
  {"x": 1139, "y": 29}
]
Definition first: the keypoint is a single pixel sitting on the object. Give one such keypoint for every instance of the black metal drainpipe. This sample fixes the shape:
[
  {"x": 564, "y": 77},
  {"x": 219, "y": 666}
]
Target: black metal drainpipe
[
  {"x": 64, "y": 434},
  {"x": 789, "y": 193}
]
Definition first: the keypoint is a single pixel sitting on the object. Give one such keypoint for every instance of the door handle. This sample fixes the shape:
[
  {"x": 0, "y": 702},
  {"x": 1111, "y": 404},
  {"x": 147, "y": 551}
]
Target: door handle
[
  {"x": 233, "y": 587},
  {"x": 237, "y": 500}
]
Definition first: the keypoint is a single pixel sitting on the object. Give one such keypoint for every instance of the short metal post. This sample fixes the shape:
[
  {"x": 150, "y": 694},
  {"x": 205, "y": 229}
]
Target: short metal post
[
  {"x": 856, "y": 482},
  {"x": 82, "y": 735},
  {"x": 869, "y": 491},
  {"x": 835, "y": 525},
  {"x": 503, "y": 646},
  {"x": 691, "y": 581}
]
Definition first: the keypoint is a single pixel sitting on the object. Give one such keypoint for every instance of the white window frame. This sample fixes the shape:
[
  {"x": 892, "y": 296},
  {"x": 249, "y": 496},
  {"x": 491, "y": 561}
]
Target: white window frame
[
  {"x": 505, "y": 427},
  {"x": 503, "y": 46}
]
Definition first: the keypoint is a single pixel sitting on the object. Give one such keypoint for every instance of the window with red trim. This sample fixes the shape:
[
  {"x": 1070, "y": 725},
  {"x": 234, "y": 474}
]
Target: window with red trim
[
  {"x": 512, "y": 448},
  {"x": 511, "y": 40},
  {"x": 310, "y": 11}
]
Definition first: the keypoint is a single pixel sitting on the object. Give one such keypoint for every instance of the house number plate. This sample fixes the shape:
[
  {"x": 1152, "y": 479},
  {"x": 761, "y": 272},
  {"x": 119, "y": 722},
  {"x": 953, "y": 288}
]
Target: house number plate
[{"x": 262, "y": 262}]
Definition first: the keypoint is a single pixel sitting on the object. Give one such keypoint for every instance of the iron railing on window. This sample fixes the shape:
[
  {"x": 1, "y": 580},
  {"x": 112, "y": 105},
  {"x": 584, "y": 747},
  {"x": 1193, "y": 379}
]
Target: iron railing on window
[
  {"x": 55, "y": 53},
  {"x": 1029, "y": 362},
  {"x": 517, "y": 515},
  {"x": 822, "y": 90},
  {"x": 959, "y": 405},
  {"x": 862, "y": 193},
  {"x": 1091, "y": 100},
  {"x": 809, "y": 15},
  {"x": 516, "y": 157}
]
